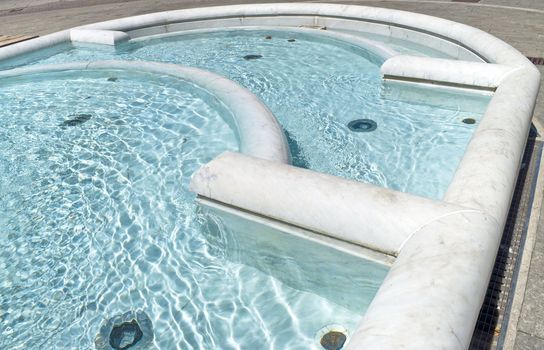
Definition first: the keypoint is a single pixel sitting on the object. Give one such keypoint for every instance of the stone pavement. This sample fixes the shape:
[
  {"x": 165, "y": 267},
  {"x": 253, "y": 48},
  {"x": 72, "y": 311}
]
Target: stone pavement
[
  {"x": 518, "y": 22},
  {"x": 530, "y": 326}
]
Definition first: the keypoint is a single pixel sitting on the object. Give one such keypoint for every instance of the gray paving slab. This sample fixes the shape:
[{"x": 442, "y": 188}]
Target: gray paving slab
[
  {"x": 525, "y": 341},
  {"x": 531, "y": 4},
  {"x": 532, "y": 312},
  {"x": 531, "y": 319},
  {"x": 52, "y": 17}
]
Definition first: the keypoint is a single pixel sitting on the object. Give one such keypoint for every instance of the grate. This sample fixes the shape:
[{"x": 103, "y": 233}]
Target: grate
[
  {"x": 537, "y": 61},
  {"x": 493, "y": 315}
]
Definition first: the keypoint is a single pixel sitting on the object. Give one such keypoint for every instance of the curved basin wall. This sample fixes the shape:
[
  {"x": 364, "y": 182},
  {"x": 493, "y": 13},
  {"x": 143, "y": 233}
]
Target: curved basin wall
[
  {"x": 316, "y": 82},
  {"x": 257, "y": 129}
]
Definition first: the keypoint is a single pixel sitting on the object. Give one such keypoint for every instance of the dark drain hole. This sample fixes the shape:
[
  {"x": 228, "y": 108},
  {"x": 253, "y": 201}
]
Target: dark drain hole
[
  {"x": 469, "y": 120},
  {"x": 291, "y": 40},
  {"x": 131, "y": 330},
  {"x": 112, "y": 79},
  {"x": 362, "y": 125},
  {"x": 252, "y": 57},
  {"x": 333, "y": 340},
  {"x": 125, "y": 335},
  {"x": 537, "y": 61},
  {"x": 76, "y": 119},
  {"x": 268, "y": 37}
]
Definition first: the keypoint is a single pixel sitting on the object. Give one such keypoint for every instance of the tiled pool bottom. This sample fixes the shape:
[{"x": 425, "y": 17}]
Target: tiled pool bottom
[{"x": 491, "y": 328}]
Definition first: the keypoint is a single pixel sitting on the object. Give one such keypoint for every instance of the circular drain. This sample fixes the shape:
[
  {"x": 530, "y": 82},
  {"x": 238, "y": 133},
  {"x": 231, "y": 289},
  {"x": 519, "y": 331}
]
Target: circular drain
[
  {"x": 362, "y": 125},
  {"x": 469, "y": 120},
  {"x": 332, "y": 337},
  {"x": 131, "y": 330},
  {"x": 125, "y": 335},
  {"x": 76, "y": 119}
]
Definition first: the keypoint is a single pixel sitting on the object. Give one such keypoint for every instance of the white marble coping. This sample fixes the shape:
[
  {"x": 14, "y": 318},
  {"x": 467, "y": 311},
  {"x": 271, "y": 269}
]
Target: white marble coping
[
  {"x": 433, "y": 293},
  {"x": 444, "y": 71},
  {"x": 257, "y": 129},
  {"x": 351, "y": 211},
  {"x": 489, "y": 47},
  {"x": 98, "y": 36},
  {"x": 25, "y": 48},
  {"x": 486, "y": 176},
  {"x": 431, "y": 297}
]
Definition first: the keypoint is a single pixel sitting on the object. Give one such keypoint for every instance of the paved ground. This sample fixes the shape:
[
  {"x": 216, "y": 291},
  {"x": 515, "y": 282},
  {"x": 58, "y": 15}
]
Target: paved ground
[
  {"x": 529, "y": 330},
  {"x": 518, "y": 22}
]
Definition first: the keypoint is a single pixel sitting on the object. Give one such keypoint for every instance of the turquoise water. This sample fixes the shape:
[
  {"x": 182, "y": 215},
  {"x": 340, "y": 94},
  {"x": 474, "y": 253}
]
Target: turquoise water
[
  {"x": 96, "y": 220},
  {"x": 315, "y": 87}
]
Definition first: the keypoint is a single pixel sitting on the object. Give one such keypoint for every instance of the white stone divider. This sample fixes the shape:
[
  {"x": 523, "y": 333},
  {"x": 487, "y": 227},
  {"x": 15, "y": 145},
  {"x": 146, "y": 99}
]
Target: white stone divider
[
  {"x": 258, "y": 131},
  {"x": 349, "y": 210},
  {"x": 443, "y": 71},
  {"x": 98, "y": 36}
]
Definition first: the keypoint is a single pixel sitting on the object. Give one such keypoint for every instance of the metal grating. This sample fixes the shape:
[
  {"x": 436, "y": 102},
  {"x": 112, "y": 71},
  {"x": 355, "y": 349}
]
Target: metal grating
[
  {"x": 493, "y": 316},
  {"x": 537, "y": 61}
]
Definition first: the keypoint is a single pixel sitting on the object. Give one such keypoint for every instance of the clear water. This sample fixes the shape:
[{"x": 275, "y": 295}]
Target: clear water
[
  {"x": 96, "y": 220},
  {"x": 315, "y": 86}
]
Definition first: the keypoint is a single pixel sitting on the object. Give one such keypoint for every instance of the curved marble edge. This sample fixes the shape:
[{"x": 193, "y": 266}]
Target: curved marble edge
[
  {"x": 472, "y": 39},
  {"x": 498, "y": 144},
  {"x": 475, "y": 40},
  {"x": 431, "y": 297},
  {"x": 259, "y": 132}
]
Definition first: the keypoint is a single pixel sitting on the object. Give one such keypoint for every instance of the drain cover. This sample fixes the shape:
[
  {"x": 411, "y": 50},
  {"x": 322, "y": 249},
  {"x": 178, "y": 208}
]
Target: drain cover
[
  {"x": 469, "y": 120},
  {"x": 333, "y": 340},
  {"x": 537, "y": 61},
  {"x": 332, "y": 337},
  {"x": 125, "y": 335},
  {"x": 129, "y": 331},
  {"x": 362, "y": 125},
  {"x": 76, "y": 119},
  {"x": 252, "y": 57}
]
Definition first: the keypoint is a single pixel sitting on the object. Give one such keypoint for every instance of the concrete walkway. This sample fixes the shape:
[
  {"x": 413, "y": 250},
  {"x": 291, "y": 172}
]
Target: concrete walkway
[{"x": 518, "y": 22}]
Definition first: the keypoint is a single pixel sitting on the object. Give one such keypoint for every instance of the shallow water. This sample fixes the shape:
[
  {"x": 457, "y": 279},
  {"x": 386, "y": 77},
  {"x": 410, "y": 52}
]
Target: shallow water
[
  {"x": 96, "y": 220},
  {"x": 315, "y": 86}
]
